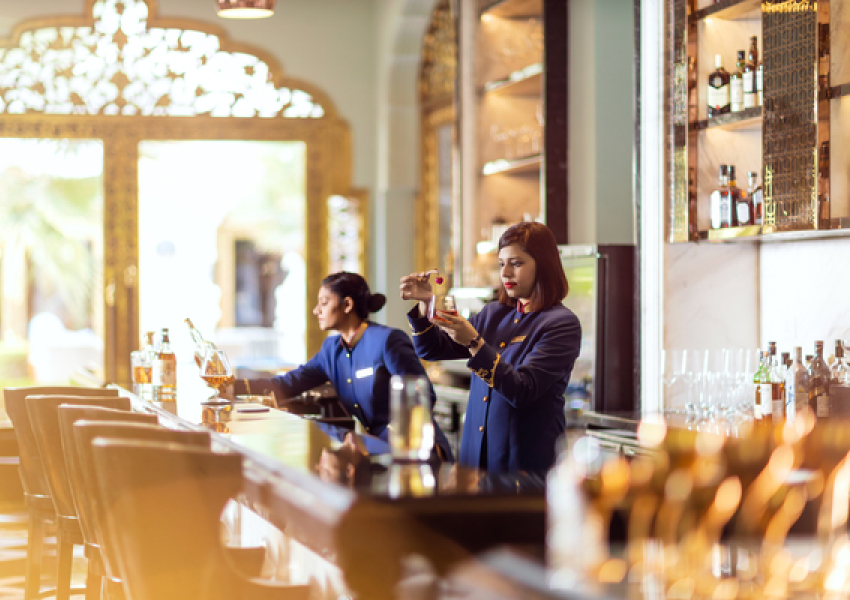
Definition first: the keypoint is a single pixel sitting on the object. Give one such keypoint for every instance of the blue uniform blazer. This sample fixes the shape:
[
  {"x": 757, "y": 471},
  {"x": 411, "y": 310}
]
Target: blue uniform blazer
[
  {"x": 361, "y": 376},
  {"x": 515, "y": 411}
]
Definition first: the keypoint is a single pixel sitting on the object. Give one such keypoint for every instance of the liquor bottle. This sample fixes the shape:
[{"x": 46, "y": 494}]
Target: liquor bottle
[
  {"x": 758, "y": 377},
  {"x": 756, "y": 194},
  {"x": 165, "y": 371},
  {"x": 743, "y": 207},
  {"x": 720, "y": 202},
  {"x": 201, "y": 344},
  {"x": 749, "y": 75},
  {"x": 796, "y": 386},
  {"x": 819, "y": 378},
  {"x": 143, "y": 372},
  {"x": 786, "y": 360},
  {"x": 840, "y": 372},
  {"x": 736, "y": 85},
  {"x": 776, "y": 405},
  {"x": 718, "y": 89}
]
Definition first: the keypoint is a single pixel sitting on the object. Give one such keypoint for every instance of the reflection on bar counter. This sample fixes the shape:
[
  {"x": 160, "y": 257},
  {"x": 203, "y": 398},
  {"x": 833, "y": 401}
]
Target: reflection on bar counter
[{"x": 761, "y": 514}]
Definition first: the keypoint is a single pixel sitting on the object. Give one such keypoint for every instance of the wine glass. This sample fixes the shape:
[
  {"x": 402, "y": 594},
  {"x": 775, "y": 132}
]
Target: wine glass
[{"x": 216, "y": 370}]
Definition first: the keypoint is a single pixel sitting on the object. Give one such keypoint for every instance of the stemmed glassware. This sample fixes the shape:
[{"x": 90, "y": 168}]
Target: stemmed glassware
[{"x": 216, "y": 370}]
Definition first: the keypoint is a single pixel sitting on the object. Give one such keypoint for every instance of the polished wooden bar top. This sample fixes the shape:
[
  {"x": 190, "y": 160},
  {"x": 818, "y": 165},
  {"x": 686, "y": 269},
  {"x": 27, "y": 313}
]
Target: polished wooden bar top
[{"x": 365, "y": 512}]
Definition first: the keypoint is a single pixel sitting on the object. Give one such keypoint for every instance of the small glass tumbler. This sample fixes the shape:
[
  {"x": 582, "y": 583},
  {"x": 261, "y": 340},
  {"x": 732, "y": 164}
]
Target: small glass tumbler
[
  {"x": 411, "y": 426},
  {"x": 142, "y": 374},
  {"x": 441, "y": 302}
]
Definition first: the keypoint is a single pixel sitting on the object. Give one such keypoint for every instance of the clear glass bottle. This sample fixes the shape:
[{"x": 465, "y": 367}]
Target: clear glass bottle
[
  {"x": 840, "y": 372},
  {"x": 720, "y": 204},
  {"x": 718, "y": 89},
  {"x": 165, "y": 371},
  {"x": 796, "y": 386},
  {"x": 819, "y": 379},
  {"x": 736, "y": 85},
  {"x": 201, "y": 344},
  {"x": 143, "y": 372}
]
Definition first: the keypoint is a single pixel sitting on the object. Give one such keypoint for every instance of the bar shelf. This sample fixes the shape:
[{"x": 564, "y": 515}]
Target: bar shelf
[
  {"x": 749, "y": 118},
  {"x": 728, "y": 10},
  {"x": 524, "y": 82},
  {"x": 525, "y": 165}
]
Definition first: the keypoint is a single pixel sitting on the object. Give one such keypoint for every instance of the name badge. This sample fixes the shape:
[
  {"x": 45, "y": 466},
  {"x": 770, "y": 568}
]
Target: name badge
[{"x": 361, "y": 373}]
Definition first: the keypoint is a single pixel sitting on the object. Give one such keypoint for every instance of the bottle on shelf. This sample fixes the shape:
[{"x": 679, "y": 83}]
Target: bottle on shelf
[
  {"x": 819, "y": 379},
  {"x": 736, "y": 85},
  {"x": 756, "y": 195},
  {"x": 776, "y": 405},
  {"x": 201, "y": 344},
  {"x": 749, "y": 75},
  {"x": 839, "y": 372},
  {"x": 165, "y": 370},
  {"x": 786, "y": 360},
  {"x": 718, "y": 89},
  {"x": 758, "y": 378},
  {"x": 720, "y": 201},
  {"x": 796, "y": 386},
  {"x": 742, "y": 203}
]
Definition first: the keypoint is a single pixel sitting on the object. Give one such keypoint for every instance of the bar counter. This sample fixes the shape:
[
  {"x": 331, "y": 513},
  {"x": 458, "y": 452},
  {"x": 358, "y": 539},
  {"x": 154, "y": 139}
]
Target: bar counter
[{"x": 384, "y": 525}]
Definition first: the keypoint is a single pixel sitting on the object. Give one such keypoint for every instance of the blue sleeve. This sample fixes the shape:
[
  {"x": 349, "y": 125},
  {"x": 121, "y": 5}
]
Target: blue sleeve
[
  {"x": 401, "y": 358},
  {"x": 431, "y": 342},
  {"x": 556, "y": 344},
  {"x": 311, "y": 374}
]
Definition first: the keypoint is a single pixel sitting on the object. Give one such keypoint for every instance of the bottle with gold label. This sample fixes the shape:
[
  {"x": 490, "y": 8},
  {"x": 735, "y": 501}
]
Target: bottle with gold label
[
  {"x": 736, "y": 85},
  {"x": 718, "y": 89},
  {"x": 165, "y": 371}
]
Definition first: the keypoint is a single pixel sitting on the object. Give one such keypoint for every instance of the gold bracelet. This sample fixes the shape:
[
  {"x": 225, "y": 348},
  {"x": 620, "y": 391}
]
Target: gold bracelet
[{"x": 247, "y": 387}]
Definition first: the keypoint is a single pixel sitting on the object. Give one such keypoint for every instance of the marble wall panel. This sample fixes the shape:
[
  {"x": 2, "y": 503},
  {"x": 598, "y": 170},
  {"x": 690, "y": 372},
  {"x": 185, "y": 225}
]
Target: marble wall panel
[
  {"x": 805, "y": 293},
  {"x": 711, "y": 296}
]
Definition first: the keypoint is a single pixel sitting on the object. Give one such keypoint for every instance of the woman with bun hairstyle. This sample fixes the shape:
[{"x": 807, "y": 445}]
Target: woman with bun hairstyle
[
  {"x": 358, "y": 362},
  {"x": 520, "y": 351}
]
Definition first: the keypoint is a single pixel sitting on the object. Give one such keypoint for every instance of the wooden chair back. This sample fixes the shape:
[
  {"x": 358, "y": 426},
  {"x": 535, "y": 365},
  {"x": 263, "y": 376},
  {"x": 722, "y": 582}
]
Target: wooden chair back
[
  {"x": 81, "y": 493},
  {"x": 31, "y": 470},
  {"x": 44, "y": 417}
]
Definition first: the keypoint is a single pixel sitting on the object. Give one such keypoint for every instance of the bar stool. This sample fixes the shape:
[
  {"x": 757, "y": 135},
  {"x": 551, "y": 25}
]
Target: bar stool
[
  {"x": 163, "y": 504},
  {"x": 83, "y": 432},
  {"x": 39, "y": 502},
  {"x": 44, "y": 417},
  {"x": 81, "y": 494}
]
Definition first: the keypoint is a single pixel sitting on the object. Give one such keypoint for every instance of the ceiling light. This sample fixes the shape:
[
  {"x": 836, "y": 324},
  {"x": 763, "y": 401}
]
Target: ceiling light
[{"x": 245, "y": 9}]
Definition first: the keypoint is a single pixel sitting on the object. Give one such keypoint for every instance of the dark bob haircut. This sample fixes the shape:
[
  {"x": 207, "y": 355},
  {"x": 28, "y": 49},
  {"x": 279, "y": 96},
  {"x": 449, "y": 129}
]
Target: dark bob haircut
[
  {"x": 351, "y": 285},
  {"x": 550, "y": 283}
]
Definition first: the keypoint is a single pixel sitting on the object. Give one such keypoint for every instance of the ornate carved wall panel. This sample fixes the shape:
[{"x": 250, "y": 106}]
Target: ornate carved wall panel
[{"x": 121, "y": 75}]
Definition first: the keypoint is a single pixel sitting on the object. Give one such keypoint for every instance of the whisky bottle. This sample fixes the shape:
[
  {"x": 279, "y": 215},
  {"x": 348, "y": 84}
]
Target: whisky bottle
[
  {"x": 749, "y": 75},
  {"x": 819, "y": 379},
  {"x": 796, "y": 386},
  {"x": 756, "y": 195},
  {"x": 165, "y": 371},
  {"x": 718, "y": 89},
  {"x": 719, "y": 208},
  {"x": 736, "y": 85},
  {"x": 742, "y": 212},
  {"x": 776, "y": 404},
  {"x": 144, "y": 373},
  {"x": 786, "y": 360}
]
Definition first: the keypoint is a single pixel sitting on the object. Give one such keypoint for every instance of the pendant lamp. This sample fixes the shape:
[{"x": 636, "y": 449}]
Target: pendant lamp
[{"x": 245, "y": 9}]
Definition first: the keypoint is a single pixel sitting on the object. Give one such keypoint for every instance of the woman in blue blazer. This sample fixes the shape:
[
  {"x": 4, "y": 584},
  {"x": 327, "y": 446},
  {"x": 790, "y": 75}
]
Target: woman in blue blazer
[
  {"x": 358, "y": 362},
  {"x": 521, "y": 352}
]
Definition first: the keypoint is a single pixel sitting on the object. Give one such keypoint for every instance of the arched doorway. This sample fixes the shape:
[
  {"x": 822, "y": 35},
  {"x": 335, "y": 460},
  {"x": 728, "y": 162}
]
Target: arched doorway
[{"x": 121, "y": 77}]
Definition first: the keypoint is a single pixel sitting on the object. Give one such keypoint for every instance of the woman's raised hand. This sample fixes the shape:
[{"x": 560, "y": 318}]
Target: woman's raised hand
[{"x": 416, "y": 286}]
